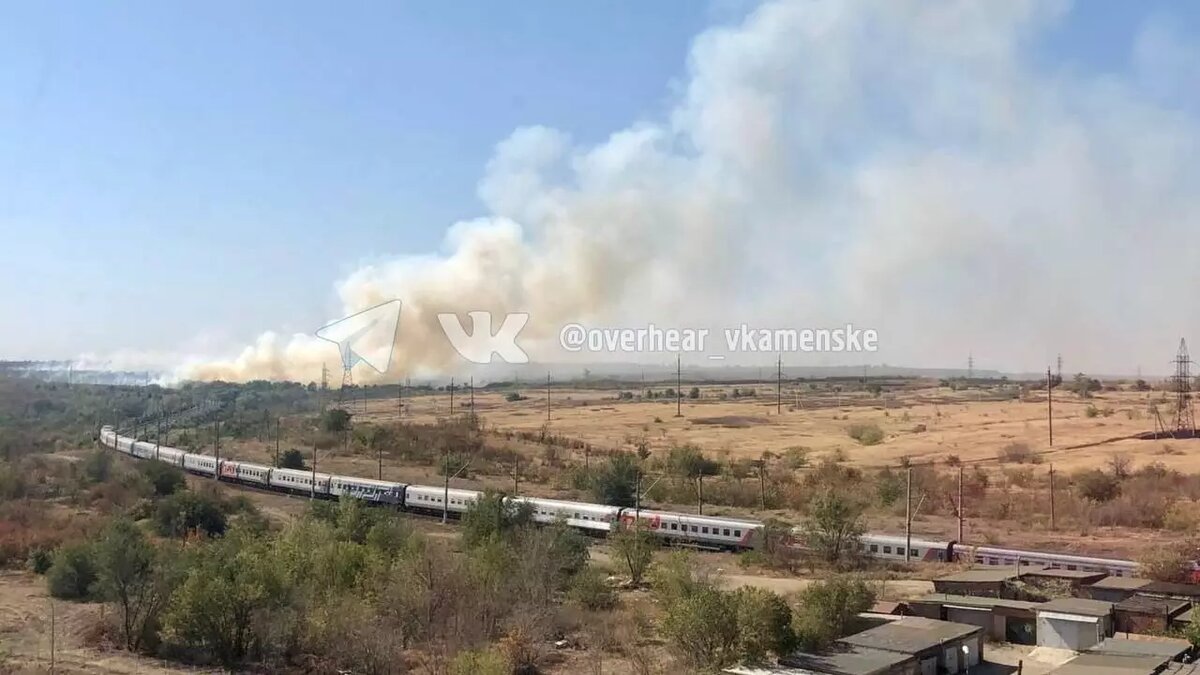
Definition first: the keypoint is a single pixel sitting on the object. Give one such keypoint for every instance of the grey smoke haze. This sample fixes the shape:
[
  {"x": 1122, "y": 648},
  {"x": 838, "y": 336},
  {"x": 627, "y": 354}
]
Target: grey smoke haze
[{"x": 904, "y": 165}]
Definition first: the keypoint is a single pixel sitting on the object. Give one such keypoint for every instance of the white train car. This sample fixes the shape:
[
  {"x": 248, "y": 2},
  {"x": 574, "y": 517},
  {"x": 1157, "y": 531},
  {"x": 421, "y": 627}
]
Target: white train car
[
  {"x": 434, "y": 499},
  {"x": 143, "y": 449},
  {"x": 172, "y": 456},
  {"x": 380, "y": 491},
  {"x": 124, "y": 444},
  {"x": 990, "y": 555},
  {"x": 295, "y": 480},
  {"x": 592, "y": 518},
  {"x": 201, "y": 464},
  {"x": 725, "y": 533},
  {"x": 889, "y": 547}
]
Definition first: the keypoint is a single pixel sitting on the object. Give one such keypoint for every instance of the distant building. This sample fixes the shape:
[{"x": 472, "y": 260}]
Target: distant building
[
  {"x": 1116, "y": 656},
  {"x": 990, "y": 582},
  {"x": 1001, "y": 619},
  {"x": 1114, "y": 589},
  {"x": 1146, "y": 614}
]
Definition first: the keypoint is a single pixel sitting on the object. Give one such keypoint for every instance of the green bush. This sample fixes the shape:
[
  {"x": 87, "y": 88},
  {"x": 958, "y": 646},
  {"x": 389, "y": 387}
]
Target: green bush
[
  {"x": 97, "y": 467},
  {"x": 164, "y": 478},
  {"x": 292, "y": 459},
  {"x": 40, "y": 560},
  {"x": 184, "y": 512},
  {"x": 73, "y": 573}
]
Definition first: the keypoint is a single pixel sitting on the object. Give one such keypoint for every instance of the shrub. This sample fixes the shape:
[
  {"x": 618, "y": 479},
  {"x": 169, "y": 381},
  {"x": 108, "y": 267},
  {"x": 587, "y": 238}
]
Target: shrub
[
  {"x": 865, "y": 434},
  {"x": 828, "y": 608},
  {"x": 614, "y": 483},
  {"x": 764, "y": 624},
  {"x": 1018, "y": 453},
  {"x": 73, "y": 573},
  {"x": 514, "y": 396},
  {"x": 795, "y": 458},
  {"x": 40, "y": 560},
  {"x": 184, "y": 512},
  {"x": 97, "y": 467},
  {"x": 1097, "y": 486},
  {"x": 292, "y": 459},
  {"x": 590, "y": 590},
  {"x": 164, "y": 478}
]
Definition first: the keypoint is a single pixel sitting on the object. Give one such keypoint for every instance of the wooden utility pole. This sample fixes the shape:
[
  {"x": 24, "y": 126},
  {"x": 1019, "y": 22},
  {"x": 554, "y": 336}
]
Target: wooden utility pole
[
  {"x": 1052, "y": 523},
  {"x": 472, "y": 396},
  {"x": 446, "y": 487},
  {"x": 277, "y": 430},
  {"x": 399, "y": 400},
  {"x": 1050, "y": 405},
  {"x": 452, "y": 397},
  {"x": 517, "y": 477},
  {"x": 587, "y": 463},
  {"x": 312, "y": 489},
  {"x": 960, "y": 505},
  {"x": 379, "y": 456},
  {"x": 700, "y": 494},
  {"x": 547, "y": 397},
  {"x": 907, "y": 514}
]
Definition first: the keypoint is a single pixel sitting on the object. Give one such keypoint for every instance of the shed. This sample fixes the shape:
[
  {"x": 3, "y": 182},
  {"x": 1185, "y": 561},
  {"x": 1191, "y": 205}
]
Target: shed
[
  {"x": 937, "y": 646},
  {"x": 1148, "y": 615},
  {"x": 1116, "y": 656},
  {"x": 1073, "y": 623},
  {"x": 1002, "y": 620},
  {"x": 1058, "y": 575},
  {"x": 989, "y": 582},
  {"x": 844, "y": 659},
  {"x": 1189, "y": 592},
  {"x": 1184, "y": 619},
  {"x": 1114, "y": 589}
]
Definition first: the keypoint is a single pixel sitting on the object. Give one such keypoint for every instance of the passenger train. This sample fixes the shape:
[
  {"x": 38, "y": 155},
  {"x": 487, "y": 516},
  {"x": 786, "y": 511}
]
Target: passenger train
[{"x": 733, "y": 534}]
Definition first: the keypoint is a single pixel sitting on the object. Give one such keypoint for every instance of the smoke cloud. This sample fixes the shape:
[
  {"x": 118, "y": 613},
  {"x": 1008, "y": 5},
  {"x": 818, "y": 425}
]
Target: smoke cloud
[{"x": 916, "y": 167}]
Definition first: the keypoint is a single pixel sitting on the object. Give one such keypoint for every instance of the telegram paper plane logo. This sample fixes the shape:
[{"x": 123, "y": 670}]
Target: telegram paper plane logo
[{"x": 366, "y": 337}]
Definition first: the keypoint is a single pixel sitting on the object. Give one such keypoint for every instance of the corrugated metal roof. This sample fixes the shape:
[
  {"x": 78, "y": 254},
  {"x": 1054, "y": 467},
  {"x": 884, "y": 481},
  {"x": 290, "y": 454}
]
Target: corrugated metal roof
[{"x": 847, "y": 660}]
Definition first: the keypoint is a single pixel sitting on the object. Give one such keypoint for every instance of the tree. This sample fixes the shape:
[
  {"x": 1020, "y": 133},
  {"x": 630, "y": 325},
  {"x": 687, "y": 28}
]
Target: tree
[
  {"x": 1171, "y": 563},
  {"x": 73, "y": 572},
  {"x": 234, "y": 580},
  {"x": 491, "y": 516},
  {"x": 635, "y": 547},
  {"x": 335, "y": 420},
  {"x": 615, "y": 482},
  {"x": 164, "y": 478},
  {"x": 764, "y": 623},
  {"x": 184, "y": 512},
  {"x": 131, "y": 575},
  {"x": 688, "y": 461},
  {"x": 97, "y": 466},
  {"x": 292, "y": 459},
  {"x": 702, "y": 628},
  {"x": 1097, "y": 486},
  {"x": 694, "y": 393},
  {"x": 1083, "y": 386},
  {"x": 833, "y": 525},
  {"x": 828, "y": 608}
]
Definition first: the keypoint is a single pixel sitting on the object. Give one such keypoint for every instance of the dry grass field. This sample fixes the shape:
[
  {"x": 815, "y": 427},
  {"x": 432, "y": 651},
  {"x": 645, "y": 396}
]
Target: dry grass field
[{"x": 928, "y": 424}]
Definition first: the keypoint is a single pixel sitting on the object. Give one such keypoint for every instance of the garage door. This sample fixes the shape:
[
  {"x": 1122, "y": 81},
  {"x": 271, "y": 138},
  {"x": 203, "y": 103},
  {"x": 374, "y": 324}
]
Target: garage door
[{"x": 951, "y": 659}]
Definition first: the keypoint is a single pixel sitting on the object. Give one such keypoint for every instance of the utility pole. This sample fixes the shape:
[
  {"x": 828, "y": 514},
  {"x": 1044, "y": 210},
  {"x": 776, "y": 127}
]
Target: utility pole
[
  {"x": 217, "y": 451},
  {"x": 379, "y": 457},
  {"x": 1052, "y": 523},
  {"x": 779, "y": 386},
  {"x": 637, "y": 497},
  {"x": 517, "y": 477},
  {"x": 276, "y": 441},
  {"x": 678, "y": 386},
  {"x": 762, "y": 483},
  {"x": 52, "y": 631},
  {"x": 452, "y": 397},
  {"x": 399, "y": 400},
  {"x": 587, "y": 463},
  {"x": 700, "y": 494},
  {"x": 158, "y": 437},
  {"x": 446, "y": 488},
  {"x": 472, "y": 396},
  {"x": 1050, "y": 405},
  {"x": 960, "y": 505},
  {"x": 907, "y": 514},
  {"x": 547, "y": 397},
  {"x": 312, "y": 489}
]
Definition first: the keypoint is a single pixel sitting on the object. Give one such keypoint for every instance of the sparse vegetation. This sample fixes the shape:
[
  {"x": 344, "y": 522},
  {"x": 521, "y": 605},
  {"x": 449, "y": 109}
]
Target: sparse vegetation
[{"x": 865, "y": 434}]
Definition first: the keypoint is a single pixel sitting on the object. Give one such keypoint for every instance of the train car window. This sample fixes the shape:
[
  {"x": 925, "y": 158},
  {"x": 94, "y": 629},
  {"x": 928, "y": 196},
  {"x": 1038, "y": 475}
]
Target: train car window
[
  {"x": 704, "y": 530},
  {"x": 737, "y": 533},
  {"x": 674, "y": 526},
  {"x": 874, "y": 548},
  {"x": 912, "y": 552},
  {"x": 725, "y": 532},
  {"x": 1071, "y": 568},
  {"x": 887, "y": 549},
  {"x": 693, "y": 528}
]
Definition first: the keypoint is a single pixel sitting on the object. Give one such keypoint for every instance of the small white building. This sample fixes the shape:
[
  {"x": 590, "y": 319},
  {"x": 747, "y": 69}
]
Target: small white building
[{"x": 1074, "y": 623}]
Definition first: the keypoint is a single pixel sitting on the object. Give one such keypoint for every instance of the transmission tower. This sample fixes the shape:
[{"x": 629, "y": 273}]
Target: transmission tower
[
  {"x": 1059, "y": 368},
  {"x": 1181, "y": 383},
  {"x": 347, "y": 384},
  {"x": 970, "y": 367}
]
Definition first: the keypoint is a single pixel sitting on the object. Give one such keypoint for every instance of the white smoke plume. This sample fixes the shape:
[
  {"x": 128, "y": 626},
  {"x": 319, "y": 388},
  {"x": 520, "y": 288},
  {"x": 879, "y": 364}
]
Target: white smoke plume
[{"x": 906, "y": 165}]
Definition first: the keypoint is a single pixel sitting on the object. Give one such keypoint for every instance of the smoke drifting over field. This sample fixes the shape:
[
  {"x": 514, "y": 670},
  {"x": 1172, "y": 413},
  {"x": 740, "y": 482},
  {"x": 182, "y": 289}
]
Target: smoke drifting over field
[{"x": 911, "y": 166}]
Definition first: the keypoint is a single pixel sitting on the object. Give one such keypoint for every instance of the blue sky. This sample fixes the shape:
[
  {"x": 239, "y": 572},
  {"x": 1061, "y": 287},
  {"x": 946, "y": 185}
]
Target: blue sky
[{"x": 181, "y": 176}]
